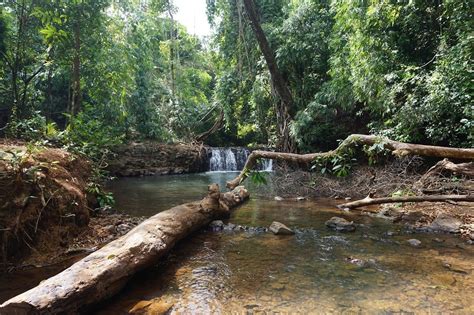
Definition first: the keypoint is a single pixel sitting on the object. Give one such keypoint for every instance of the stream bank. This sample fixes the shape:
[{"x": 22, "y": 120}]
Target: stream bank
[{"x": 43, "y": 199}]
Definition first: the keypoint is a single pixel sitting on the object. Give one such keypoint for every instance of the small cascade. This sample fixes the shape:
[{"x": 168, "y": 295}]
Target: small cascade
[
  {"x": 227, "y": 159},
  {"x": 233, "y": 159},
  {"x": 266, "y": 165}
]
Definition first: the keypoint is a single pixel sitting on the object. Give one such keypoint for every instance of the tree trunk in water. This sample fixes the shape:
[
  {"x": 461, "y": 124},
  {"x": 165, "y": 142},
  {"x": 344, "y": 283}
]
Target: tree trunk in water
[
  {"x": 285, "y": 143},
  {"x": 104, "y": 272},
  {"x": 397, "y": 148},
  {"x": 375, "y": 201}
]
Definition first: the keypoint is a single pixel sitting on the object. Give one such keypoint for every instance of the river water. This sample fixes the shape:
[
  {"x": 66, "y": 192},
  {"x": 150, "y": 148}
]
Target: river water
[{"x": 317, "y": 271}]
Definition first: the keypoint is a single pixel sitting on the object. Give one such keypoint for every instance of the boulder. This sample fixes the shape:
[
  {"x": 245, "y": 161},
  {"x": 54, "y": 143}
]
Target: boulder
[
  {"x": 446, "y": 223},
  {"x": 278, "y": 228},
  {"x": 340, "y": 224}
]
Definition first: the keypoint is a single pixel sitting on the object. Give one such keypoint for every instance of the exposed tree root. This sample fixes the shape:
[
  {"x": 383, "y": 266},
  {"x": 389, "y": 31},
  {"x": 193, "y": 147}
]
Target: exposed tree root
[
  {"x": 397, "y": 148},
  {"x": 367, "y": 201}
]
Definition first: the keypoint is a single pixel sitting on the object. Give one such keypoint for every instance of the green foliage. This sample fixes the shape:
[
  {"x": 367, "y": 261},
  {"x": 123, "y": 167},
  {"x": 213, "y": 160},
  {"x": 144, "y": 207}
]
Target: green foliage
[
  {"x": 396, "y": 68},
  {"x": 105, "y": 199},
  {"x": 339, "y": 164},
  {"x": 257, "y": 177},
  {"x": 375, "y": 151}
]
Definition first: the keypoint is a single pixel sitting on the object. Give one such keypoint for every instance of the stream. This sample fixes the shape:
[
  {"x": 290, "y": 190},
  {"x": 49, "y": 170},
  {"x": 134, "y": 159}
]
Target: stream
[
  {"x": 372, "y": 270},
  {"x": 315, "y": 271}
]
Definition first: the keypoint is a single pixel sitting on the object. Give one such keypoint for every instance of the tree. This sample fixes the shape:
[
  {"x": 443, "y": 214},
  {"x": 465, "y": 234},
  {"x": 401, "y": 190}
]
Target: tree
[{"x": 285, "y": 141}]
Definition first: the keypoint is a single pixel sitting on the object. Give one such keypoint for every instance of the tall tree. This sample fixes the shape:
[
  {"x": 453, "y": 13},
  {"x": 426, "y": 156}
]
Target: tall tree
[{"x": 285, "y": 141}]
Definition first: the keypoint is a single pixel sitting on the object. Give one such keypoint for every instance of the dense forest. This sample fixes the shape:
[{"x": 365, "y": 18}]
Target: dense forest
[{"x": 96, "y": 73}]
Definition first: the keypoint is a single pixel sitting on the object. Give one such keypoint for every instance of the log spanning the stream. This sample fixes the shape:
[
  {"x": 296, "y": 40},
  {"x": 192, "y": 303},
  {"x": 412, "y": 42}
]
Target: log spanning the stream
[
  {"x": 397, "y": 148},
  {"x": 104, "y": 272}
]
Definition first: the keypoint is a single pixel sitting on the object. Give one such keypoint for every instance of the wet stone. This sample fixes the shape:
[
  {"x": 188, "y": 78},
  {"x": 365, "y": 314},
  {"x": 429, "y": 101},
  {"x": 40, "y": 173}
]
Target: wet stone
[
  {"x": 414, "y": 242},
  {"x": 278, "y": 228},
  {"x": 340, "y": 224},
  {"x": 446, "y": 223},
  {"x": 216, "y": 225}
]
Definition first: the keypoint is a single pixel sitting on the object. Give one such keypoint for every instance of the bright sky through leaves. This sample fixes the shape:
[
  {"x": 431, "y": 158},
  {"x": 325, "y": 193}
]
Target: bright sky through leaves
[{"x": 192, "y": 14}]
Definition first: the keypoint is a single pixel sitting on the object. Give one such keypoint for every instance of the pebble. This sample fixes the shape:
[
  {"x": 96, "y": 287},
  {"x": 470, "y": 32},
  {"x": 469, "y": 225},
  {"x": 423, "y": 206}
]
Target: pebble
[{"x": 414, "y": 242}]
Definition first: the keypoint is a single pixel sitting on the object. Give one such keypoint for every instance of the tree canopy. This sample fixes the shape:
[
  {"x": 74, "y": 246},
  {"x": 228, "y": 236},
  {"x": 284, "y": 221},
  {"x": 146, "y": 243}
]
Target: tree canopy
[{"x": 109, "y": 71}]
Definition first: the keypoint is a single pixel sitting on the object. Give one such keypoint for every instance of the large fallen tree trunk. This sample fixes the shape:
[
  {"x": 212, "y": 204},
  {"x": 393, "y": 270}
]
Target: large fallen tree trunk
[
  {"x": 375, "y": 201},
  {"x": 104, "y": 272},
  {"x": 397, "y": 148}
]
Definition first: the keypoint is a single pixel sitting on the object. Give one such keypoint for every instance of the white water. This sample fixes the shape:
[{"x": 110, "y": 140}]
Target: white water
[{"x": 233, "y": 159}]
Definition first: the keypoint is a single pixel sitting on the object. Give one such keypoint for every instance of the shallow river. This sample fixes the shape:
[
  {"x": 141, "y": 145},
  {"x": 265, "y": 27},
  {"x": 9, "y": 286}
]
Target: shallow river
[{"x": 316, "y": 271}]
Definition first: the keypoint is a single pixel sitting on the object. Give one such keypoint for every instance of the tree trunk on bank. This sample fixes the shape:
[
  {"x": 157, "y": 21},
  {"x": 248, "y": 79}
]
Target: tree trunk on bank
[
  {"x": 104, "y": 272},
  {"x": 397, "y": 148},
  {"x": 376, "y": 201},
  {"x": 286, "y": 143}
]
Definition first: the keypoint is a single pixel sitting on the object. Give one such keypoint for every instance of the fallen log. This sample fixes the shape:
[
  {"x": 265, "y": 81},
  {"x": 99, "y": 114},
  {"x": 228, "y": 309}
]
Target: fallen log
[
  {"x": 397, "y": 148},
  {"x": 367, "y": 201},
  {"x": 104, "y": 272}
]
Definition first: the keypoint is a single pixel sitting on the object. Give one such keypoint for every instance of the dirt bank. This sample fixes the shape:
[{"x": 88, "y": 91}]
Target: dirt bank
[
  {"x": 152, "y": 158},
  {"x": 42, "y": 199}
]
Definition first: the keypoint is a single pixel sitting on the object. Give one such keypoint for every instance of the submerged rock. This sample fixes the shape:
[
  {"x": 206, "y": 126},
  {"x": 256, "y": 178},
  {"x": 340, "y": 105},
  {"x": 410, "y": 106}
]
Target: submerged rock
[
  {"x": 414, "y": 242},
  {"x": 446, "y": 223},
  {"x": 278, "y": 228},
  {"x": 340, "y": 224}
]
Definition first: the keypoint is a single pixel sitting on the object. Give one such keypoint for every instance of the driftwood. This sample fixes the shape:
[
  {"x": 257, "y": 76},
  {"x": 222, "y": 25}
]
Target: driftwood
[
  {"x": 367, "y": 201},
  {"x": 104, "y": 272},
  {"x": 397, "y": 148},
  {"x": 466, "y": 169}
]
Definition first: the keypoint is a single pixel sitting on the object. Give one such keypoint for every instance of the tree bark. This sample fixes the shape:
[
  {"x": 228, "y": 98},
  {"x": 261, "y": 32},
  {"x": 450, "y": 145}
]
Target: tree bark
[
  {"x": 397, "y": 148},
  {"x": 446, "y": 165},
  {"x": 76, "y": 99},
  {"x": 286, "y": 143},
  {"x": 375, "y": 201},
  {"x": 104, "y": 272}
]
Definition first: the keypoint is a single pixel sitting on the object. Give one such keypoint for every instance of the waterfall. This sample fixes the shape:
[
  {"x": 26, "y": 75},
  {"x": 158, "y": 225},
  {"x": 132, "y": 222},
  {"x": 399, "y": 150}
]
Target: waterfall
[
  {"x": 266, "y": 165},
  {"x": 233, "y": 159}
]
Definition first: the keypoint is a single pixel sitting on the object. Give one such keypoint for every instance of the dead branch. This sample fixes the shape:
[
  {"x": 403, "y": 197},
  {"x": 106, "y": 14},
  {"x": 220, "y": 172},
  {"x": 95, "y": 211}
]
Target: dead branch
[
  {"x": 397, "y": 148},
  {"x": 217, "y": 125},
  {"x": 367, "y": 201}
]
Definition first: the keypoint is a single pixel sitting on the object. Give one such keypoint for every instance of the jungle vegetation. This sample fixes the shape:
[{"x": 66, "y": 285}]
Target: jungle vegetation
[{"x": 91, "y": 74}]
